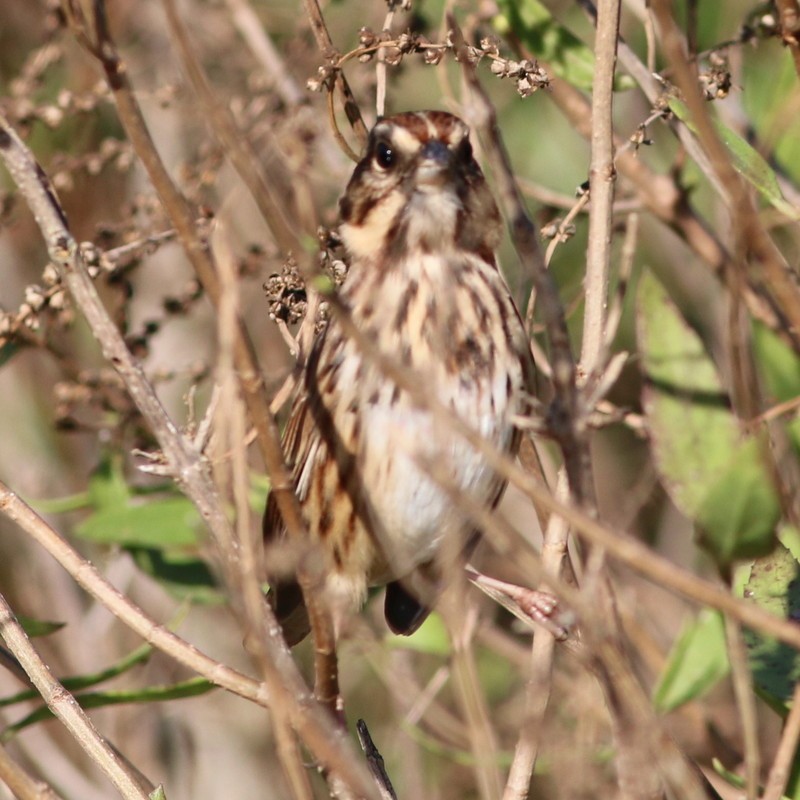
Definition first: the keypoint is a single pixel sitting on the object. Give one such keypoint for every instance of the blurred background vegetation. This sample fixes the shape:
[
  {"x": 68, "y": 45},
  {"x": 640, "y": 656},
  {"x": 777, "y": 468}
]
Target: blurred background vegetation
[{"x": 69, "y": 433}]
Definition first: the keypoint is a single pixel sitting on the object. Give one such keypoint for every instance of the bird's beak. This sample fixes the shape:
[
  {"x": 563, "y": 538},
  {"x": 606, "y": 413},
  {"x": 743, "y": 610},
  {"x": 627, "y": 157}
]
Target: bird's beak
[{"x": 435, "y": 162}]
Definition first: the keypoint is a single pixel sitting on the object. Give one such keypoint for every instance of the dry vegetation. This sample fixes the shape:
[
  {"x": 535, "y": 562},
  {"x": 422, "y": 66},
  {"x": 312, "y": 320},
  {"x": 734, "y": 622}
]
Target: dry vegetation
[{"x": 192, "y": 149}]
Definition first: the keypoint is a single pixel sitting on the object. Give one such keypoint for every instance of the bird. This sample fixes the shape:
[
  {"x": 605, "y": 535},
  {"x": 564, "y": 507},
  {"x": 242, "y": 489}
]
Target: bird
[{"x": 420, "y": 229}]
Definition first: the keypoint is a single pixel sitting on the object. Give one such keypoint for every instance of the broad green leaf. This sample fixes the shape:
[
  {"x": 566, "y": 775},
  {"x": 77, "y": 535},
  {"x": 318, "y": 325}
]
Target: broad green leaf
[
  {"x": 546, "y": 38},
  {"x": 774, "y": 586},
  {"x": 698, "y": 660},
  {"x": 777, "y": 363},
  {"x": 747, "y": 161},
  {"x": 694, "y": 434},
  {"x": 737, "y": 517},
  {"x": 167, "y": 523}
]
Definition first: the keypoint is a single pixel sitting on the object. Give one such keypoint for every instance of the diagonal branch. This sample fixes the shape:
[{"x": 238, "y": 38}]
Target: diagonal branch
[{"x": 66, "y": 709}]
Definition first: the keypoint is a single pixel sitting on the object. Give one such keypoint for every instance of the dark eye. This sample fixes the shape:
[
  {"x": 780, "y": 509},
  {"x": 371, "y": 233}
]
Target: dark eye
[
  {"x": 384, "y": 155},
  {"x": 465, "y": 150}
]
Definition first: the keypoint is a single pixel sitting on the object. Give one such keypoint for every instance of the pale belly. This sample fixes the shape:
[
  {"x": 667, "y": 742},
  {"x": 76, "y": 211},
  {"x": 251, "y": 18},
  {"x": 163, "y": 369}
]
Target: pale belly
[{"x": 413, "y": 512}]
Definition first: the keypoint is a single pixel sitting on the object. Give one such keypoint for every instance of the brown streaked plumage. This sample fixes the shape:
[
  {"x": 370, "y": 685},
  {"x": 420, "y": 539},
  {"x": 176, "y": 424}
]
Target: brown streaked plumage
[{"x": 421, "y": 228}]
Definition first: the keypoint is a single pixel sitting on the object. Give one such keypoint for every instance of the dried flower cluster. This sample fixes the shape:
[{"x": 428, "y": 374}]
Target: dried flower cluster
[
  {"x": 286, "y": 290},
  {"x": 528, "y": 75},
  {"x": 286, "y": 294},
  {"x": 43, "y": 306},
  {"x": 715, "y": 80}
]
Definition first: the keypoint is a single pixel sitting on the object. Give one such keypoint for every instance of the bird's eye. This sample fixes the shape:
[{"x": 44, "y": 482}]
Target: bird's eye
[{"x": 384, "y": 156}]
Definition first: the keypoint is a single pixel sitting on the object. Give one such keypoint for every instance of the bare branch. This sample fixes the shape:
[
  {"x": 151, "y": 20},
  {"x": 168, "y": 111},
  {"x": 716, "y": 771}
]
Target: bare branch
[
  {"x": 20, "y": 783},
  {"x": 787, "y": 750},
  {"x": 66, "y": 708},
  {"x": 602, "y": 179}
]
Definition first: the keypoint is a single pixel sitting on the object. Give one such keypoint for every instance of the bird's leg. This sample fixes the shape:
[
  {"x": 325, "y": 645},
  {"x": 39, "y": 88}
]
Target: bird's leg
[
  {"x": 529, "y": 605},
  {"x": 326, "y": 667}
]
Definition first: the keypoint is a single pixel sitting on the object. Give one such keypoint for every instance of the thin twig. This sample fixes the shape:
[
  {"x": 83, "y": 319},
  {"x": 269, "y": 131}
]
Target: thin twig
[
  {"x": 626, "y": 257},
  {"x": 767, "y": 271},
  {"x": 746, "y": 703},
  {"x": 653, "y": 90},
  {"x": 89, "y": 579},
  {"x": 785, "y": 756},
  {"x": 66, "y": 708},
  {"x": 245, "y": 161},
  {"x": 538, "y": 684},
  {"x": 469, "y": 694},
  {"x": 22, "y": 785},
  {"x": 325, "y": 44},
  {"x": 252, "y": 31},
  {"x": 375, "y": 761},
  {"x": 245, "y": 555},
  {"x": 602, "y": 179},
  {"x": 275, "y": 197},
  {"x": 380, "y": 67},
  {"x": 561, "y": 235}
]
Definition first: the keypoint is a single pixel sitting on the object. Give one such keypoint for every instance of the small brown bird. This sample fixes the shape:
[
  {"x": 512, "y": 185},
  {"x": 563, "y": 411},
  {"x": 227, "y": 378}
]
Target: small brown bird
[{"x": 420, "y": 227}]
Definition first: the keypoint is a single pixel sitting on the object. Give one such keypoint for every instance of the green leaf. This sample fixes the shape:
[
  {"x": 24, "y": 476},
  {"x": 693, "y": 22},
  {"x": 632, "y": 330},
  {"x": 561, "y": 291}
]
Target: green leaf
[
  {"x": 767, "y": 84},
  {"x": 738, "y": 515},
  {"x": 778, "y": 364},
  {"x": 77, "y": 682},
  {"x": 732, "y": 778},
  {"x": 38, "y": 627},
  {"x": 107, "y": 485},
  {"x": 149, "y": 694},
  {"x": 62, "y": 505},
  {"x": 165, "y": 523},
  {"x": 697, "y": 662},
  {"x": 747, "y": 161},
  {"x": 546, "y": 38},
  {"x": 693, "y": 432},
  {"x": 183, "y": 575},
  {"x": 158, "y": 793},
  {"x": 774, "y": 586}
]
